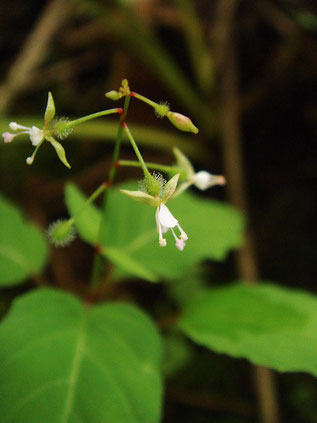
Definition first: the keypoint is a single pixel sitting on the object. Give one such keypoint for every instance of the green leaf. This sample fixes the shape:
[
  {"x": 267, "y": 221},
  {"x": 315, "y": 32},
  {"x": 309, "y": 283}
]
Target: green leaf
[
  {"x": 213, "y": 229},
  {"x": 23, "y": 250},
  {"x": 88, "y": 221},
  {"x": 50, "y": 110},
  {"x": 65, "y": 362},
  {"x": 269, "y": 325}
]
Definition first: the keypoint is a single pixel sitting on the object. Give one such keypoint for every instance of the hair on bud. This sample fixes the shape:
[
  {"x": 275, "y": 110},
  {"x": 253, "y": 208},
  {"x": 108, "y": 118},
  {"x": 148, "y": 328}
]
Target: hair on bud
[
  {"x": 62, "y": 128},
  {"x": 153, "y": 184},
  {"x": 161, "y": 109},
  {"x": 61, "y": 233}
]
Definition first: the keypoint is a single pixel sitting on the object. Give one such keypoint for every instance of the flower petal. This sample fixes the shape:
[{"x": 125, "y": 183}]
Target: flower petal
[
  {"x": 36, "y": 135},
  {"x": 165, "y": 217},
  {"x": 204, "y": 180}
]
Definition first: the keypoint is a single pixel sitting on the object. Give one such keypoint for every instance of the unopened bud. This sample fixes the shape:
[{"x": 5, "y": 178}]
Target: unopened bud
[
  {"x": 183, "y": 123},
  {"x": 114, "y": 95},
  {"x": 61, "y": 233}
]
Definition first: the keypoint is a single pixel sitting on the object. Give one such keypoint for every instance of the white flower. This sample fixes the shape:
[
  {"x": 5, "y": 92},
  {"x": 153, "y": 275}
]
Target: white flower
[
  {"x": 202, "y": 179},
  {"x": 36, "y": 135},
  {"x": 164, "y": 218},
  {"x": 165, "y": 221}
]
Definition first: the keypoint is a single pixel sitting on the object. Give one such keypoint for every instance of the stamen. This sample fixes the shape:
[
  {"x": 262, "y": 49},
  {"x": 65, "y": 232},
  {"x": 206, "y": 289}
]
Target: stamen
[
  {"x": 15, "y": 126},
  {"x": 162, "y": 242},
  {"x": 30, "y": 160},
  {"x": 183, "y": 235},
  {"x": 8, "y": 137},
  {"x": 180, "y": 243}
]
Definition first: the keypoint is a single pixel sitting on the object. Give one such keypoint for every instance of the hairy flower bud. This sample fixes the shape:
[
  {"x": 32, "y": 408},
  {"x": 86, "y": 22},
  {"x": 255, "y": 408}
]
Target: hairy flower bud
[{"x": 61, "y": 233}]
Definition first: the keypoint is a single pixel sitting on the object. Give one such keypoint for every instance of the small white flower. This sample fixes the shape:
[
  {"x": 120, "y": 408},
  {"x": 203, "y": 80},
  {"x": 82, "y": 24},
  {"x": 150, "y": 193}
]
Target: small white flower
[
  {"x": 165, "y": 221},
  {"x": 164, "y": 218},
  {"x": 36, "y": 135},
  {"x": 204, "y": 180}
]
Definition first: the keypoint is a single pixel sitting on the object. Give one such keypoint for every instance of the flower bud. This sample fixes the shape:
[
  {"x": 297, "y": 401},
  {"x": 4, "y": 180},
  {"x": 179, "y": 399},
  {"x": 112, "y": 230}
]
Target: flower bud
[
  {"x": 183, "y": 123},
  {"x": 61, "y": 233},
  {"x": 114, "y": 95}
]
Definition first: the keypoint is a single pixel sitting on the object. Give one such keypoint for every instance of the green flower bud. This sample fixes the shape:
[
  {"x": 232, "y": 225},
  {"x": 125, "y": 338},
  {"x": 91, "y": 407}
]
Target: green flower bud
[
  {"x": 61, "y": 233},
  {"x": 114, "y": 95},
  {"x": 183, "y": 123}
]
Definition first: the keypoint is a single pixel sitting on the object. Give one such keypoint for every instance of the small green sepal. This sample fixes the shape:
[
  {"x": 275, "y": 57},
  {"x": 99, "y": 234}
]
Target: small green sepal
[
  {"x": 50, "y": 110},
  {"x": 183, "y": 163},
  {"x": 170, "y": 187},
  {"x": 142, "y": 197},
  {"x": 59, "y": 150}
]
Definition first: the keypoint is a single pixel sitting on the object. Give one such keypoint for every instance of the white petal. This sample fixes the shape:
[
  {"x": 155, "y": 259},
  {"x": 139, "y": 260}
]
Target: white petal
[
  {"x": 36, "y": 135},
  {"x": 204, "y": 180},
  {"x": 166, "y": 219}
]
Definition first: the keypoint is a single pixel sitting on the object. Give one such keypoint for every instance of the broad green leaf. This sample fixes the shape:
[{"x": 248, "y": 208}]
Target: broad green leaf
[
  {"x": 213, "y": 229},
  {"x": 23, "y": 250},
  {"x": 88, "y": 220},
  {"x": 65, "y": 362},
  {"x": 269, "y": 325}
]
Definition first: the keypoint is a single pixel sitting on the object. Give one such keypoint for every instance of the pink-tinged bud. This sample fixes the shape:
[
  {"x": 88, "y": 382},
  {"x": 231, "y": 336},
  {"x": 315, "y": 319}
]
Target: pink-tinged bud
[
  {"x": 183, "y": 123},
  {"x": 7, "y": 137}
]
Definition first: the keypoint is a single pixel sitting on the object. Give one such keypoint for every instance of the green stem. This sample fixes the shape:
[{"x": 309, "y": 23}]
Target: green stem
[
  {"x": 136, "y": 149},
  {"x": 89, "y": 200},
  {"x": 157, "y": 166},
  {"x": 92, "y": 116},
  {"x": 144, "y": 99},
  {"x": 98, "y": 260},
  {"x": 117, "y": 145}
]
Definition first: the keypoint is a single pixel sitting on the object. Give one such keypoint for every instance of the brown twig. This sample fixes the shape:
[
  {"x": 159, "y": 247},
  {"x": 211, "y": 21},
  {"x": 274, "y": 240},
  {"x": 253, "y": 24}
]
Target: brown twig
[
  {"x": 206, "y": 401},
  {"x": 233, "y": 160}
]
